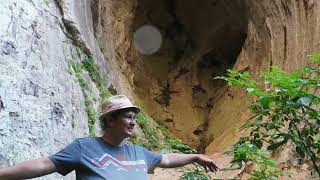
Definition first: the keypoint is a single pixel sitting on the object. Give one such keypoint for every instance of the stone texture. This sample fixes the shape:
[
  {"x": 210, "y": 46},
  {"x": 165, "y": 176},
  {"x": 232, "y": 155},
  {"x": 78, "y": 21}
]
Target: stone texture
[
  {"x": 79, "y": 19},
  {"x": 41, "y": 99},
  {"x": 44, "y": 106},
  {"x": 201, "y": 40},
  {"x": 279, "y": 33}
]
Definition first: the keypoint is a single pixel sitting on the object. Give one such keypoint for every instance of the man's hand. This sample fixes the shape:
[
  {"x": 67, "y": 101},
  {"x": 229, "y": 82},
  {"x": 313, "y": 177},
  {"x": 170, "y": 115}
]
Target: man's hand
[
  {"x": 172, "y": 160},
  {"x": 28, "y": 169},
  {"x": 206, "y": 162}
]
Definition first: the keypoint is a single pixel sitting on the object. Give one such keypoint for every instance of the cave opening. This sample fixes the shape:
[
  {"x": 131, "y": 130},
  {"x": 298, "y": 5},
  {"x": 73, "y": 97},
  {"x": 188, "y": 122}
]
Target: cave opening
[{"x": 200, "y": 40}]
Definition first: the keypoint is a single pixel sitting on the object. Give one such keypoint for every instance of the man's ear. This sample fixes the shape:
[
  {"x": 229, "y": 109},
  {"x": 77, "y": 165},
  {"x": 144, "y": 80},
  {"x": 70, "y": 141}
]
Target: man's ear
[{"x": 111, "y": 121}]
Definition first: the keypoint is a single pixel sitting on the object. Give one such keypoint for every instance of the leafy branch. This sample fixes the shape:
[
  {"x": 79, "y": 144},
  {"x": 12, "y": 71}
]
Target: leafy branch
[{"x": 286, "y": 110}]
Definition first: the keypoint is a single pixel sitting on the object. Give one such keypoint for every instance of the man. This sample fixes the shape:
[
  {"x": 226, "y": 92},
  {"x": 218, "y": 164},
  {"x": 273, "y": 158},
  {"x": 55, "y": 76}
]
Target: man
[{"x": 106, "y": 157}]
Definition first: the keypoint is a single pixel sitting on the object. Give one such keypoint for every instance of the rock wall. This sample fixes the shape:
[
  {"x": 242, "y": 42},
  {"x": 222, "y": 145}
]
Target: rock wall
[
  {"x": 279, "y": 33},
  {"x": 45, "y": 96},
  {"x": 44, "y": 105},
  {"x": 201, "y": 40}
]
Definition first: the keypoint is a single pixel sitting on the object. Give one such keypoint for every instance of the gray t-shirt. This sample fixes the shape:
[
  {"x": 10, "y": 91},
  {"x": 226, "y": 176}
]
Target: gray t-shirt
[{"x": 93, "y": 159}]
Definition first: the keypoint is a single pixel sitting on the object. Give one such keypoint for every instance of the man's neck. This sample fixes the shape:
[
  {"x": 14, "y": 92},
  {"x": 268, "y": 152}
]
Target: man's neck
[{"x": 112, "y": 139}]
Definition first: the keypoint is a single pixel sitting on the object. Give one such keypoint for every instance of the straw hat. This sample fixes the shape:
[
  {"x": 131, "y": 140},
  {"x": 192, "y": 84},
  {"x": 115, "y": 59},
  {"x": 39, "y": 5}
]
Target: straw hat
[{"x": 115, "y": 103}]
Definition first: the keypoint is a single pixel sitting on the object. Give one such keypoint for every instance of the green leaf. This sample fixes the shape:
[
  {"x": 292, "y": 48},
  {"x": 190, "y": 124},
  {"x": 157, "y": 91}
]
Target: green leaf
[
  {"x": 307, "y": 69},
  {"x": 265, "y": 101},
  {"x": 269, "y": 162},
  {"x": 315, "y": 57},
  {"x": 277, "y": 144},
  {"x": 250, "y": 90},
  {"x": 255, "y": 108},
  {"x": 300, "y": 151},
  {"x": 257, "y": 143}
]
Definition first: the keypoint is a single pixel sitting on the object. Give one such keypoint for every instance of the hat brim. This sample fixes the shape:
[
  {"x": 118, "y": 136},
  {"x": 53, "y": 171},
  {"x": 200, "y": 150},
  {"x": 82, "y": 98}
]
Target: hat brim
[{"x": 135, "y": 108}]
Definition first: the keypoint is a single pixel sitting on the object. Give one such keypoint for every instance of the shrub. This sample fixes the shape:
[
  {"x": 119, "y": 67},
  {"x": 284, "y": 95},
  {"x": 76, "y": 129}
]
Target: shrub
[{"x": 286, "y": 109}]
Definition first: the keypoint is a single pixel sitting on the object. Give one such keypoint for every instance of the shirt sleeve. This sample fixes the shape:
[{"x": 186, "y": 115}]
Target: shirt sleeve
[
  {"x": 67, "y": 159},
  {"x": 152, "y": 159}
]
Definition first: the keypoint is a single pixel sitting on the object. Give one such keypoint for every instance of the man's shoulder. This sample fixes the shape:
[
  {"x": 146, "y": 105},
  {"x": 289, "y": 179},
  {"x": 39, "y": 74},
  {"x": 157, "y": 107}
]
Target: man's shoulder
[
  {"x": 87, "y": 139},
  {"x": 133, "y": 147},
  {"x": 129, "y": 145}
]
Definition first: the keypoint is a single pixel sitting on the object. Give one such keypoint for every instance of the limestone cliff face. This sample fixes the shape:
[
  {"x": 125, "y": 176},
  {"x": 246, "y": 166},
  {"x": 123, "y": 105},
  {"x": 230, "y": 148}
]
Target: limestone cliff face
[
  {"x": 201, "y": 40},
  {"x": 44, "y": 105},
  {"x": 49, "y": 97}
]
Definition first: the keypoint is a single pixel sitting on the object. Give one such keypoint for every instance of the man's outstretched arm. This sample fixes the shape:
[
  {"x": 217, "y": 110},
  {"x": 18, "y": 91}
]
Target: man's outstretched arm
[
  {"x": 28, "y": 169},
  {"x": 172, "y": 160}
]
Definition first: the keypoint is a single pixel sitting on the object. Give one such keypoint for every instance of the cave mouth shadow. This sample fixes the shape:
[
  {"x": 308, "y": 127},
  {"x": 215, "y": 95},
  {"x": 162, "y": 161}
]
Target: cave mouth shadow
[
  {"x": 214, "y": 30},
  {"x": 202, "y": 38}
]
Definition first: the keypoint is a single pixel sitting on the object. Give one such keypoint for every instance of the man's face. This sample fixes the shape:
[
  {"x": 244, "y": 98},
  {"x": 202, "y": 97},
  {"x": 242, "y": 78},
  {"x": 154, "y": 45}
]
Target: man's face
[{"x": 124, "y": 123}]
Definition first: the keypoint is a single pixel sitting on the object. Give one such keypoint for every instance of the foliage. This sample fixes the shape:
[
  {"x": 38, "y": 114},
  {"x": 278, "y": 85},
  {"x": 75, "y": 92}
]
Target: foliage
[
  {"x": 92, "y": 116},
  {"x": 194, "y": 174},
  {"x": 78, "y": 70},
  {"x": 149, "y": 132},
  {"x": 73, "y": 124},
  {"x": 174, "y": 145},
  {"x": 135, "y": 140},
  {"x": 245, "y": 154},
  {"x": 91, "y": 67},
  {"x": 46, "y": 2},
  {"x": 286, "y": 109}
]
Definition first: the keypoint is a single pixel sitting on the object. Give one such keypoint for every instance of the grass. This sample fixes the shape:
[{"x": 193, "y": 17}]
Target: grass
[
  {"x": 77, "y": 68},
  {"x": 73, "y": 124},
  {"x": 149, "y": 132},
  {"x": 92, "y": 117},
  {"x": 91, "y": 67}
]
